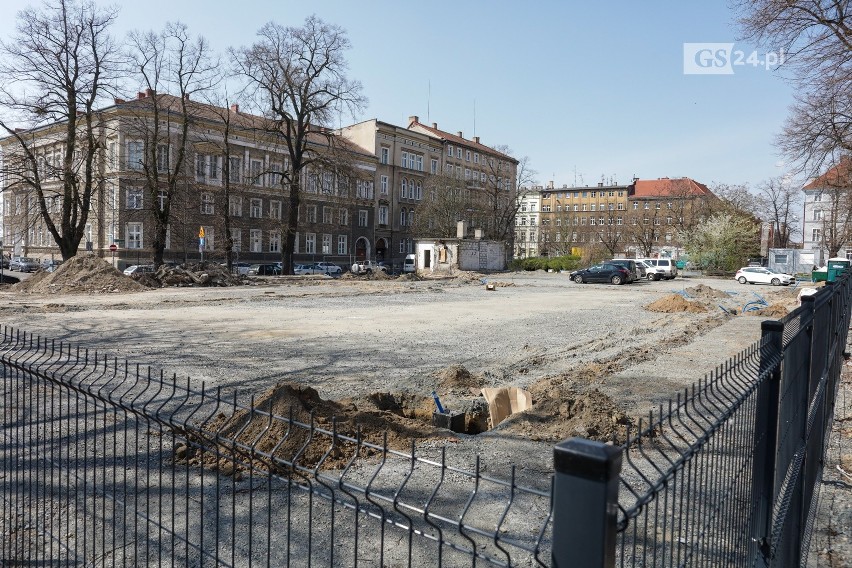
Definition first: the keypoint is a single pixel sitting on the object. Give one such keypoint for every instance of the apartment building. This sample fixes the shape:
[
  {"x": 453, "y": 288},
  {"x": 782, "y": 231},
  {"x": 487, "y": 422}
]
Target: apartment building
[
  {"x": 233, "y": 179},
  {"x": 528, "y": 222},
  {"x": 408, "y": 157},
  {"x": 826, "y": 216}
]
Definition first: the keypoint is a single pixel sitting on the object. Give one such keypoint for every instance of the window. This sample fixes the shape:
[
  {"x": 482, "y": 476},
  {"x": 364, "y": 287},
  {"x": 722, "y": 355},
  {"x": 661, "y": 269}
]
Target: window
[
  {"x": 235, "y": 206},
  {"x": 782, "y": 258},
  {"x": 403, "y": 190},
  {"x": 385, "y": 153},
  {"x": 256, "y": 208},
  {"x": 256, "y": 167},
  {"x": 310, "y": 243},
  {"x": 113, "y": 158},
  {"x": 646, "y": 205},
  {"x": 234, "y": 165},
  {"x": 275, "y": 210},
  {"x": 816, "y": 236},
  {"x": 256, "y": 240},
  {"x": 458, "y": 153},
  {"x": 383, "y": 185},
  {"x": 343, "y": 216},
  {"x": 576, "y": 207},
  {"x": 620, "y": 207},
  {"x": 207, "y": 207},
  {"x": 611, "y": 206},
  {"x": 818, "y": 197},
  {"x": 327, "y": 216},
  {"x": 362, "y": 217},
  {"x": 383, "y": 214},
  {"x": 817, "y": 214},
  {"x": 213, "y": 172},
  {"x": 134, "y": 198},
  {"x": 275, "y": 176},
  {"x": 134, "y": 235},
  {"x": 326, "y": 244},
  {"x": 402, "y": 217},
  {"x": 434, "y": 167},
  {"x": 162, "y": 197},
  {"x": 274, "y": 241},
  {"x": 162, "y": 157},
  {"x": 200, "y": 167},
  {"x": 419, "y": 195},
  {"x": 467, "y": 156},
  {"x": 208, "y": 239},
  {"x": 134, "y": 155},
  {"x": 404, "y": 163},
  {"x": 592, "y": 207},
  {"x": 657, "y": 206},
  {"x": 236, "y": 240},
  {"x": 449, "y": 151},
  {"x": 311, "y": 213},
  {"x": 475, "y": 158},
  {"x": 341, "y": 244}
]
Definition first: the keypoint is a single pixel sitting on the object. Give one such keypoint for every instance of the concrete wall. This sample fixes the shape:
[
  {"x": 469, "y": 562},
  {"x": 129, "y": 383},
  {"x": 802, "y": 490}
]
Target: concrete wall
[{"x": 442, "y": 256}]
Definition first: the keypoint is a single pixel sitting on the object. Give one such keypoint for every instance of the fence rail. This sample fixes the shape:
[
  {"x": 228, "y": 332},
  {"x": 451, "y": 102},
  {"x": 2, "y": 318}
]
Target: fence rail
[{"x": 108, "y": 463}]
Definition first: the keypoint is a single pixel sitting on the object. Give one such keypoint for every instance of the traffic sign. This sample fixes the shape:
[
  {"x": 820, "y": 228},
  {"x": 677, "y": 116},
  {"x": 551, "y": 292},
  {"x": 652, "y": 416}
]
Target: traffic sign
[
  {"x": 201, "y": 232},
  {"x": 113, "y": 247}
]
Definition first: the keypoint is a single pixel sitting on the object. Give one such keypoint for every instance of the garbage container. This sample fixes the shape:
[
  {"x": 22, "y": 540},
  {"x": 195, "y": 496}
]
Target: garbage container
[{"x": 836, "y": 267}]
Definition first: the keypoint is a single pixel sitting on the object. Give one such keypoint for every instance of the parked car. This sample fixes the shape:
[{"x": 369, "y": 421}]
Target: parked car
[
  {"x": 410, "y": 263},
  {"x": 50, "y": 265},
  {"x": 367, "y": 267},
  {"x": 760, "y": 275},
  {"x": 635, "y": 272},
  {"x": 305, "y": 269},
  {"x": 606, "y": 272},
  {"x": 240, "y": 268},
  {"x": 4, "y": 262},
  {"x": 22, "y": 264},
  {"x": 139, "y": 269},
  {"x": 328, "y": 268},
  {"x": 264, "y": 270},
  {"x": 666, "y": 268}
]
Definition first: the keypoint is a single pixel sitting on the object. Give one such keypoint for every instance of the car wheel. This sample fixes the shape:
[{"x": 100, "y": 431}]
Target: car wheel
[
  {"x": 578, "y": 279},
  {"x": 650, "y": 277},
  {"x": 616, "y": 280},
  {"x": 742, "y": 280},
  {"x": 775, "y": 282}
]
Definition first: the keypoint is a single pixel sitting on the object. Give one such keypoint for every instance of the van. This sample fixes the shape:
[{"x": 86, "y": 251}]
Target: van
[
  {"x": 665, "y": 268},
  {"x": 410, "y": 263}
]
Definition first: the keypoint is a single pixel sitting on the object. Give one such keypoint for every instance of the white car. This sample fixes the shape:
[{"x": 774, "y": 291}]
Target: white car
[
  {"x": 328, "y": 268},
  {"x": 760, "y": 275}
]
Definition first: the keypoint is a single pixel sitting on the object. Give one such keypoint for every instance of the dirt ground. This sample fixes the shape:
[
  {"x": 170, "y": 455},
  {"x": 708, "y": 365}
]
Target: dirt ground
[{"x": 371, "y": 350}]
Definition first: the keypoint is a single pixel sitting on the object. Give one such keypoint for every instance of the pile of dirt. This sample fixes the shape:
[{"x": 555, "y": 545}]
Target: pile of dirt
[
  {"x": 561, "y": 411},
  {"x": 457, "y": 379},
  {"x": 383, "y": 418},
  {"x": 675, "y": 303},
  {"x": 706, "y": 293},
  {"x": 775, "y": 311},
  {"x": 205, "y": 274},
  {"x": 83, "y": 274}
]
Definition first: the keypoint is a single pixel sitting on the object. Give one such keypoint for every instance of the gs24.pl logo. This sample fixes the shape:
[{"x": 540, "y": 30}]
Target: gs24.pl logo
[{"x": 723, "y": 59}]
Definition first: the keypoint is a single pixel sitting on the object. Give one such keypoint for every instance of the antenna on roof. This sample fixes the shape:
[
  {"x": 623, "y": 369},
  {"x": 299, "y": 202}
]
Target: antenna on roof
[{"x": 428, "y": 100}]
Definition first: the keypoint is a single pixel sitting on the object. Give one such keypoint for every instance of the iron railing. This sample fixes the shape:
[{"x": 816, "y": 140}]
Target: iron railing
[{"x": 109, "y": 464}]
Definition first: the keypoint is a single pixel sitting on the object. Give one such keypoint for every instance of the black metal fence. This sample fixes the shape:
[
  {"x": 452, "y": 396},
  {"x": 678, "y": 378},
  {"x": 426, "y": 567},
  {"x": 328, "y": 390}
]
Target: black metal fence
[{"x": 108, "y": 464}]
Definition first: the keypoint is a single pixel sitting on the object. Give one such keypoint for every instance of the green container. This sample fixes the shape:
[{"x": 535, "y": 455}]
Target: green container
[
  {"x": 819, "y": 276},
  {"x": 836, "y": 268},
  {"x": 681, "y": 264}
]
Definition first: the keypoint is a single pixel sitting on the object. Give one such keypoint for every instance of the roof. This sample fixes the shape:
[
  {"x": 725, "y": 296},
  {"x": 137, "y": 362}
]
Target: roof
[
  {"x": 670, "y": 187},
  {"x": 455, "y": 139},
  {"x": 836, "y": 176}
]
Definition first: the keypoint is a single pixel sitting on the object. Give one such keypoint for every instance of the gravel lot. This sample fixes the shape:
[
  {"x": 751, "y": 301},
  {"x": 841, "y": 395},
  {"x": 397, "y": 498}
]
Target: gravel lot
[{"x": 351, "y": 337}]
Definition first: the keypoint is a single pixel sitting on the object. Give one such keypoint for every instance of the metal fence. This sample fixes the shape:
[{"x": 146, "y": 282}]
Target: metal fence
[{"x": 108, "y": 464}]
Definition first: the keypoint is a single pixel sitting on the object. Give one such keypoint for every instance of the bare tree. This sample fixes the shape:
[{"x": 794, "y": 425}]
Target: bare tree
[
  {"x": 166, "y": 61},
  {"x": 447, "y": 200},
  {"x": 297, "y": 79},
  {"x": 780, "y": 201},
  {"x": 504, "y": 181},
  {"x": 55, "y": 71}
]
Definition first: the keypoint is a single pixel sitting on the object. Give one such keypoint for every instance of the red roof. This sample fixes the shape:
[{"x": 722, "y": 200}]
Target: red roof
[
  {"x": 670, "y": 187},
  {"x": 454, "y": 139},
  {"x": 837, "y": 176}
]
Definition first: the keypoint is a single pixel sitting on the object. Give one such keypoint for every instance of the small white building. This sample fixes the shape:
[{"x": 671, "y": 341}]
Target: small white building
[{"x": 437, "y": 256}]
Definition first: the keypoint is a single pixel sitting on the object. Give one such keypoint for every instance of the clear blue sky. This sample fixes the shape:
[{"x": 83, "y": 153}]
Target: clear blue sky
[{"x": 595, "y": 88}]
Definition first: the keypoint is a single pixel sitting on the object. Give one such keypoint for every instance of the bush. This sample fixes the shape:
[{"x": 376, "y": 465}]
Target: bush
[{"x": 544, "y": 263}]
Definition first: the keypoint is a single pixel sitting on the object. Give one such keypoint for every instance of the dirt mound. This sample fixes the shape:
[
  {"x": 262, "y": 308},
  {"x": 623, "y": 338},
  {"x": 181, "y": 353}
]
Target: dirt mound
[
  {"x": 559, "y": 411},
  {"x": 457, "y": 379},
  {"x": 675, "y": 303},
  {"x": 288, "y": 400},
  {"x": 702, "y": 292},
  {"x": 776, "y": 311},
  {"x": 205, "y": 274},
  {"x": 83, "y": 274}
]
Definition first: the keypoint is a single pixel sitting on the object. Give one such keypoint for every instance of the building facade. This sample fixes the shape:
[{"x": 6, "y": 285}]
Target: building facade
[
  {"x": 827, "y": 216},
  {"x": 528, "y": 222}
]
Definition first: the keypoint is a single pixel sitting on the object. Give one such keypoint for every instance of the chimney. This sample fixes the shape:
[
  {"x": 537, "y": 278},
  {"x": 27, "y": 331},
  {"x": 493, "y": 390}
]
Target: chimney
[
  {"x": 550, "y": 184},
  {"x": 149, "y": 92},
  {"x": 600, "y": 184},
  {"x": 460, "y": 134},
  {"x": 435, "y": 125},
  {"x": 476, "y": 139},
  {"x": 140, "y": 95},
  {"x": 235, "y": 108},
  {"x": 461, "y": 229},
  {"x": 413, "y": 119}
]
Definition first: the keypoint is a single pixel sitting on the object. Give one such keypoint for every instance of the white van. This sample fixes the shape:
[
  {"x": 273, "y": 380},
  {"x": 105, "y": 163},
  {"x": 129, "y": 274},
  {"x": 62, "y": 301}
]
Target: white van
[{"x": 410, "y": 263}]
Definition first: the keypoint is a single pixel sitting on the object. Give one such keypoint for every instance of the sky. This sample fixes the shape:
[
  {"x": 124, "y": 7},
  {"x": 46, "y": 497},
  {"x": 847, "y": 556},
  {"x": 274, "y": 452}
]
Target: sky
[{"x": 587, "y": 91}]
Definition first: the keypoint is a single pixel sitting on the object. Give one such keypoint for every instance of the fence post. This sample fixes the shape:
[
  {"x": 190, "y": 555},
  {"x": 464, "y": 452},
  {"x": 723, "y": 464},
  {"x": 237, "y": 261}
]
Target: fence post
[
  {"x": 766, "y": 434},
  {"x": 585, "y": 503}
]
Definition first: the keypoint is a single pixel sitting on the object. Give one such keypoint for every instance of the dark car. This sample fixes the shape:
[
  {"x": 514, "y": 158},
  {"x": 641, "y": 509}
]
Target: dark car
[
  {"x": 635, "y": 272},
  {"x": 264, "y": 270},
  {"x": 606, "y": 272}
]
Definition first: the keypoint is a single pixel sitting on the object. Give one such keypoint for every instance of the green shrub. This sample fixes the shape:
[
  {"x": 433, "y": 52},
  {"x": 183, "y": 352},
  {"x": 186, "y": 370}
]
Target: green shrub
[{"x": 544, "y": 263}]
